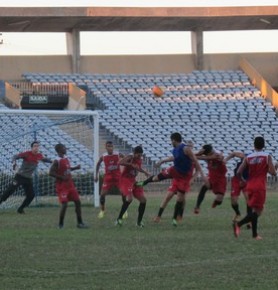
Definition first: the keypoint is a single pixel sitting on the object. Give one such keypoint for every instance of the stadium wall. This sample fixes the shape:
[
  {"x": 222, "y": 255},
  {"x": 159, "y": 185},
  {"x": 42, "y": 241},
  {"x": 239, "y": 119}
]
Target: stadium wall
[{"x": 12, "y": 67}]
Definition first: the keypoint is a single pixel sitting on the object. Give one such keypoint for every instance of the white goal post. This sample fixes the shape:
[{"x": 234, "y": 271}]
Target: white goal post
[{"x": 77, "y": 130}]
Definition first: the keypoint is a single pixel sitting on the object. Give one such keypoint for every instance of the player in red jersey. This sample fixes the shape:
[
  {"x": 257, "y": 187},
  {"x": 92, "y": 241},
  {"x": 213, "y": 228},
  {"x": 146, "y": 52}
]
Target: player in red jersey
[
  {"x": 172, "y": 191},
  {"x": 216, "y": 176},
  {"x": 111, "y": 176},
  {"x": 24, "y": 176},
  {"x": 259, "y": 164},
  {"x": 65, "y": 188},
  {"x": 238, "y": 184},
  {"x": 132, "y": 165}
]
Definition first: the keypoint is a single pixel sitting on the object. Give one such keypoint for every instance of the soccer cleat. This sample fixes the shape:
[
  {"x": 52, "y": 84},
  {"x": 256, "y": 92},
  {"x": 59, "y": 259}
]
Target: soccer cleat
[
  {"x": 119, "y": 222},
  {"x": 214, "y": 204},
  {"x": 236, "y": 218},
  {"x": 196, "y": 210},
  {"x": 101, "y": 214},
  {"x": 20, "y": 211},
  {"x": 174, "y": 223},
  {"x": 258, "y": 238},
  {"x": 236, "y": 229},
  {"x": 60, "y": 226},
  {"x": 140, "y": 183},
  {"x": 140, "y": 225},
  {"x": 82, "y": 226},
  {"x": 157, "y": 219},
  {"x": 125, "y": 215}
]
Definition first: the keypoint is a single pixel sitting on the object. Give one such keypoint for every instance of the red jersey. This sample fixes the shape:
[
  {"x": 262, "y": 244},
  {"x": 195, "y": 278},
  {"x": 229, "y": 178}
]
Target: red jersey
[
  {"x": 216, "y": 168},
  {"x": 257, "y": 163},
  {"x": 111, "y": 163},
  {"x": 29, "y": 164},
  {"x": 129, "y": 172},
  {"x": 64, "y": 170}
]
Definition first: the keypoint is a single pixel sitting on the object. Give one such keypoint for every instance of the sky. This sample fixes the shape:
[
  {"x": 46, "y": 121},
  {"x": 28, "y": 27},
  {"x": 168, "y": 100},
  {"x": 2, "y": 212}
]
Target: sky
[{"x": 137, "y": 42}]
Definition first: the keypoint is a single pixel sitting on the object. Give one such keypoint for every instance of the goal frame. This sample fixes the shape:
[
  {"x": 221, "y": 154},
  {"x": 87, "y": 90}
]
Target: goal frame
[{"x": 95, "y": 136}]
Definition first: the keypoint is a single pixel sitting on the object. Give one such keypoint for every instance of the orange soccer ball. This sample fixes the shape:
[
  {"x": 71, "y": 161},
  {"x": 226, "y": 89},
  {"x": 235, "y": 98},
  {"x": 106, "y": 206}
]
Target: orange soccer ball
[{"x": 157, "y": 91}]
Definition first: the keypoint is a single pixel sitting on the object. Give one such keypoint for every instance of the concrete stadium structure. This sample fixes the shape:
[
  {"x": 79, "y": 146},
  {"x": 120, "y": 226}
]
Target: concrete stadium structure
[{"x": 73, "y": 20}]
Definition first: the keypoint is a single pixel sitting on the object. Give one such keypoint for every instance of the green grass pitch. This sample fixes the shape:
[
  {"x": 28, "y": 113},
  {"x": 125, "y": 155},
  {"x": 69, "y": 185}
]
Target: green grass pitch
[{"x": 201, "y": 253}]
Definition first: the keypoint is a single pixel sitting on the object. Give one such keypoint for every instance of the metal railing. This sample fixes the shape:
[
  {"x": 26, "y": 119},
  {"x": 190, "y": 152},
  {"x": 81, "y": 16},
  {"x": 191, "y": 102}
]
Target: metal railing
[{"x": 41, "y": 89}]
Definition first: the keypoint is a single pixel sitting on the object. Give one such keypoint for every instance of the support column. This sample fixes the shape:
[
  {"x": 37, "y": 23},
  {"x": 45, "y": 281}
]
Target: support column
[
  {"x": 197, "y": 45},
  {"x": 73, "y": 49}
]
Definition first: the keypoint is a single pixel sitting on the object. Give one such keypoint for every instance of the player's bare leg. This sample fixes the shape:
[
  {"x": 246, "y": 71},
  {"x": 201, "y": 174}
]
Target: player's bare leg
[
  {"x": 102, "y": 205},
  {"x": 200, "y": 198},
  {"x": 218, "y": 200},
  {"x": 125, "y": 205},
  {"x": 163, "y": 205},
  {"x": 63, "y": 210},
  {"x": 235, "y": 207},
  {"x": 141, "y": 211},
  {"x": 178, "y": 207}
]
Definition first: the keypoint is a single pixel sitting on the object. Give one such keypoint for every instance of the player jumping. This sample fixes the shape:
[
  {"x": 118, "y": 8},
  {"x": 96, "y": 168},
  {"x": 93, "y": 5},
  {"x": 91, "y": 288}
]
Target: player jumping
[
  {"x": 216, "y": 176},
  {"x": 180, "y": 173}
]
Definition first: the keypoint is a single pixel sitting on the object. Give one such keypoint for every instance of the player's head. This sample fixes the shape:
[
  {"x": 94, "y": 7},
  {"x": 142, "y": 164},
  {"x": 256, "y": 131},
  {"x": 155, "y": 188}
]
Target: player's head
[
  {"x": 176, "y": 139},
  {"x": 109, "y": 147},
  {"x": 138, "y": 152},
  {"x": 35, "y": 145},
  {"x": 60, "y": 149},
  {"x": 259, "y": 143},
  {"x": 207, "y": 149}
]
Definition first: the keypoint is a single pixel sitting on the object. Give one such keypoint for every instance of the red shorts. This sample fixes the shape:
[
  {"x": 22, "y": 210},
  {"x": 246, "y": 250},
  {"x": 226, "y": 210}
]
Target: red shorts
[
  {"x": 180, "y": 182},
  {"x": 66, "y": 192},
  {"x": 256, "y": 198},
  {"x": 109, "y": 182},
  {"x": 237, "y": 186},
  {"x": 218, "y": 184},
  {"x": 171, "y": 172},
  {"x": 181, "y": 185},
  {"x": 128, "y": 188},
  {"x": 256, "y": 194}
]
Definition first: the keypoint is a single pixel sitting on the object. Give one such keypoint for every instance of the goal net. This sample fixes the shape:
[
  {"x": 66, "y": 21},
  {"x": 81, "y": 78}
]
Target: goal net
[{"x": 77, "y": 130}]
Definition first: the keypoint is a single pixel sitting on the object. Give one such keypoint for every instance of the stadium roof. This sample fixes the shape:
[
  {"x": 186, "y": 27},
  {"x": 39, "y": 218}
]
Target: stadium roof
[{"x": 65, "y": 19}]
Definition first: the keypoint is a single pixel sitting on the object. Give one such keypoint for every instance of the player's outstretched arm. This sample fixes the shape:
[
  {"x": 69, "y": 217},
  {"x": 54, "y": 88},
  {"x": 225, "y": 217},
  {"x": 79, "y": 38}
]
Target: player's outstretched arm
[
  {"x": 46, "y": 160},
  {"x": 75, "y": 167},
  {"x": 241, "y": 168},
  {"x": 126, "y": 161},
  {"x": 140, "y": 169},
  {"x": 198, "y": 167},
  {"x": 165, "y": 160},
  {"x": 233, "y": 155},
  {"x": 214, "y": 156},
  {"x": 16, "y": 157},
  {"x": 19, "y": 156}
]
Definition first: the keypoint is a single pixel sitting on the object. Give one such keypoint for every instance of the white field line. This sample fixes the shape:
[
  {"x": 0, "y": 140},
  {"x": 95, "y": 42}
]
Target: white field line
[{"x": 148, "y": 267}]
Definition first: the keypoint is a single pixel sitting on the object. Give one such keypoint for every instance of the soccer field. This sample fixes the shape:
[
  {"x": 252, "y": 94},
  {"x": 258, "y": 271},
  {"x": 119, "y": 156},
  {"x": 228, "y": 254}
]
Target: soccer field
[{"x": 201, "y": 253}]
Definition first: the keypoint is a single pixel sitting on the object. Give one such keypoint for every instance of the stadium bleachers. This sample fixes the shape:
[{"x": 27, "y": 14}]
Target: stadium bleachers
[{"x": 217, "y": 107}]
